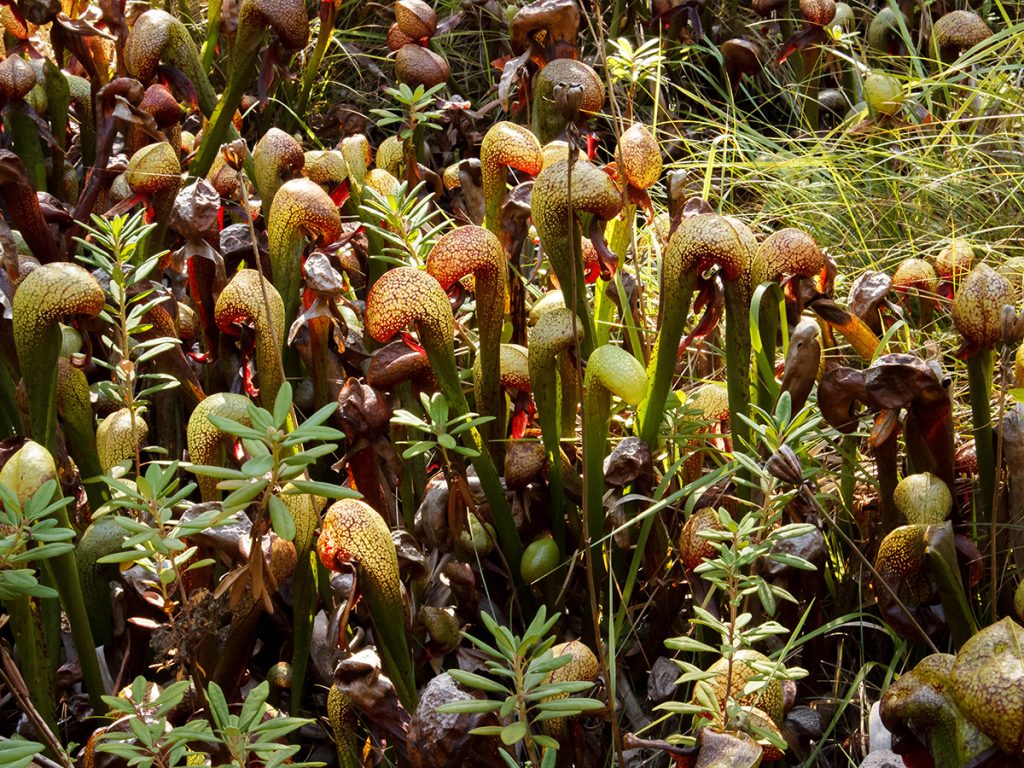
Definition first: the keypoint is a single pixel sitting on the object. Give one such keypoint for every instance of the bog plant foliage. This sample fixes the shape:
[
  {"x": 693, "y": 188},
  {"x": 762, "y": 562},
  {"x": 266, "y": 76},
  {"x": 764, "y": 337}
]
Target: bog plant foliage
[{"x": 561, "y": 383}]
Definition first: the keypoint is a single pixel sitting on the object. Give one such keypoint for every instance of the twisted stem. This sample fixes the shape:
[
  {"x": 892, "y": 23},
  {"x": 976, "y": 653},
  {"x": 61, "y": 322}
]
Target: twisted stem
[
  {"x": 300, "y": 208},
  {"x": 594, "y": 193},
  {"x": 241, "y": 301},
  {"x": 472, "y": 250},
  {"x": 557, "y": 331},
  {"x": 403, "y": 296},
  {"x": 353, "y": 532},
  {"x": 255, "y": 17}
]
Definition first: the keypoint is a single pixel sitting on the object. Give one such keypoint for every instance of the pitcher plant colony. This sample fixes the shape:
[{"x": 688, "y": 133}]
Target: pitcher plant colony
[{"x": 560, "y": 383}]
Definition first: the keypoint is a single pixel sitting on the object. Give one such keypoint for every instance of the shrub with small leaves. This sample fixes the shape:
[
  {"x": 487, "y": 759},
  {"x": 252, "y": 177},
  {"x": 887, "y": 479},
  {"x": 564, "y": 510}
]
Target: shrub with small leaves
[
  {"x": 405, "y": 221},
  {"x": 141, "y": 734},
  {"x": 255, "y": 736},
  {"x": 278, "y": 459},
  {"x": 151, "y": 513},
  {"x": 742, "y": 682},
  {"x": 144, "y": 738},
  {"x": 521, "y": 666},
  {"x": 114, "y": 249},
  {"x": 723, "y": 693},
  {"x": 442, "y": 431}
]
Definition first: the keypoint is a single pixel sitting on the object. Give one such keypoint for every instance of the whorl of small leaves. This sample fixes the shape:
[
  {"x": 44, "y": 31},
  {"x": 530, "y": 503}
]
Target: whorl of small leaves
[
  {"x": 151, "y": 511},
  {"x": 631, "y": 64},
  {"x": 255, "y": 735},
  {"x": 112, "y": 248},
  {"x": 419, "y": 109},
  {"x": 406, "y": 221},
  {"x": 519, "y": 667},
  {"x": 277, "y": 458},
  {"x": 441, "y": 430}
]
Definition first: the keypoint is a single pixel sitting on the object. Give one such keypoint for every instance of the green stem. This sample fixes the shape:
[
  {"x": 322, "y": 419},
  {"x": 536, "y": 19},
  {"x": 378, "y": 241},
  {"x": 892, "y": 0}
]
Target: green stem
[
  {"x": 223, "y": 114},
  {"x": 554, "y": 333},
  {"x": 40, "y": 379},
  {"x": 33, "y": 663},
  {"x": 677, "y": 290},
  {"x": 941, "y": 557},
  {"x": 312, "y": 71},
  {"x": 596, "y": 404},
  {"x": 620, "y": 235},
  {"x": 628, "y": 321},
  {"x": 10, "y": 416},
  {"x": 604, "y": 311},
  {"x": 565, "y": 255},
  {"x": 212, "y": 34},
  {"x": 569, "y": 382},
  {"x": 64, "y": 569},
  {"x": 414, "y": 473},
  {"x": 737, "y": 360},
  {"x": 610, "y": 370},
  {"x": 492, "y": 211},
  {"x": 323, "y": 584},
  {"x": 979, "y": 379},
  {"x": 765, "y": 309},
  {"x": 103, "y": 537},
  {"x": 443, "y": 363},
  {"x": 489, "y": 395},
  {"x": 77, "y": 419},
  {"x": 305, "y": 512},
  {"x": 406, "y": 490},
  {"x": 851, "y": 84},
  {"x": 25, "y": 137},
  {"x": 489, "y": 392},
  {"x": 58, "y": 97},
  {"x": 304, "y": 596},
  {"x": 674, "y": 309},
  {"x": 557, "y": 502},
  {"x": 492, "y": 398}
]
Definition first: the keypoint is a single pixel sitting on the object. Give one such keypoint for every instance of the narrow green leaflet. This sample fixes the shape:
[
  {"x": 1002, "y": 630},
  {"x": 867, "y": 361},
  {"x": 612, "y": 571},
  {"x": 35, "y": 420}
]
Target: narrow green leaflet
[{"x": 281, "y": 519}]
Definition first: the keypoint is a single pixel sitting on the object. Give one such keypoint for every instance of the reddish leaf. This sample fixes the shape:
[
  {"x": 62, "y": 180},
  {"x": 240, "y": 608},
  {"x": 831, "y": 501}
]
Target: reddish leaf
[
  {"x": 247, "y": 380},
  {"x": 341, "y": 194},
  {"x": 411, "y": 342}
]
